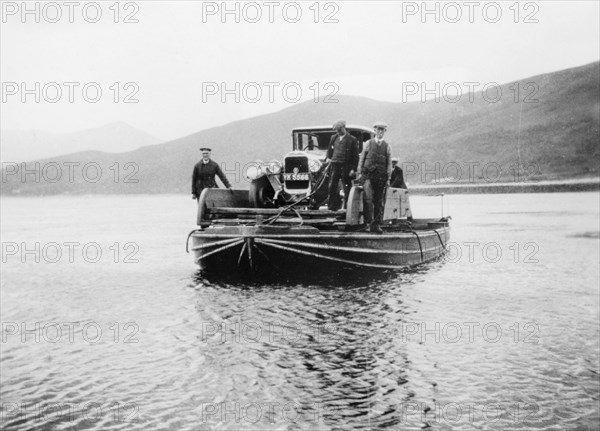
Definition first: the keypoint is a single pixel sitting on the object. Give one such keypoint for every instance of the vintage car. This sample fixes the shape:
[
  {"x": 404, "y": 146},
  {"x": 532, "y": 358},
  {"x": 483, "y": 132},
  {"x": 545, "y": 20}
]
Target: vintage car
[{"x": 303, "y": 175}]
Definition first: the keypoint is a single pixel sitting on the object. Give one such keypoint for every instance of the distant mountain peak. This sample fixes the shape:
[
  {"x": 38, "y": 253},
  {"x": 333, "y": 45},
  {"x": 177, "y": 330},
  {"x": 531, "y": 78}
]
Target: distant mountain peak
[{"x": 115, "y": 137}]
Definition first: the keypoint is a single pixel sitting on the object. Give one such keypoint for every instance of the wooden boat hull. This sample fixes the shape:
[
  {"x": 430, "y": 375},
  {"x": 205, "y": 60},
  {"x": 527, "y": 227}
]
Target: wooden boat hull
[{"x": 269, "y": 248}]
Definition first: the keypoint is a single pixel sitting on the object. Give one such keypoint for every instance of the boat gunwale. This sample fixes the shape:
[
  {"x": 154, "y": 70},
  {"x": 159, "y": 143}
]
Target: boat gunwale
[
  {"x": 336, "y": 248},
  {"x": 328, "y": 235}
]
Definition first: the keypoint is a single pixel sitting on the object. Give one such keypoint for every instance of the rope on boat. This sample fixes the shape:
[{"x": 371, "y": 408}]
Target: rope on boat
[
  {"x": 187, "y": 242},
  {"x": 274, "y": 218},
  {"x": 214, "y": 244},
  {"x": 314, "y": 190},
  {"x": 323, "y": 256},
  {"x": 419, "y": 240},
  {"x": 335, "y": 248},
  {"x": 440, "y": 238},
  {"x": 242, "y": 253},
  {"x": 250, "y": 260},
  {"x": 247, "y": 246},
  {"x": 406, "y": 226},
  {"x": 233, "y": 244},
  {"x": 320, "y": 184},
  {"x": 266, "y": 257}
]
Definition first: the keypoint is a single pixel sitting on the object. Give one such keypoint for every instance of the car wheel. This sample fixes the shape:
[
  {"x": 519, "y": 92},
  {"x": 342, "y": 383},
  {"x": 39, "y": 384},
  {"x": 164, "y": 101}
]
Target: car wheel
[{"x": 261, "y": 193}]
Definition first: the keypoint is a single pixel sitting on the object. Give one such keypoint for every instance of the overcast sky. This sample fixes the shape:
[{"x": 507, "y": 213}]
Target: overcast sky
[{"x": 175, "y": 50}]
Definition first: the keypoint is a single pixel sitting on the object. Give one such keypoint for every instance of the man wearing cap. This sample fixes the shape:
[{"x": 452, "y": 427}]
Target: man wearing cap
[
  {"x": 343, "y": 155},
  {"x": 397, "y": 180},
  {"x": 204, "y": 174},
  {"x": 375, "y": 170}
]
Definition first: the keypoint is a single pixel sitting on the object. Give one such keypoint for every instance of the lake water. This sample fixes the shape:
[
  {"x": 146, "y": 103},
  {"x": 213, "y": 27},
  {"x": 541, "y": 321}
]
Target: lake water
[{"x": 108, "y": 325}]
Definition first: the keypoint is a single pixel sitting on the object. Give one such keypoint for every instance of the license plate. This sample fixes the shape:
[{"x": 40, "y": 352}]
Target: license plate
[{"x": 295, "y": 177}]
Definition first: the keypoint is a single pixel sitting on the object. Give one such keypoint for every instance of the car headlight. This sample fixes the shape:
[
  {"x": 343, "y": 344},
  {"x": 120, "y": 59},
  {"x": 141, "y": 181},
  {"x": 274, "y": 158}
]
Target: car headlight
[
  {"x": 253, "y": 172},
  {"x": 275, "y": 167},
  {"x": 314, "y": 166}
]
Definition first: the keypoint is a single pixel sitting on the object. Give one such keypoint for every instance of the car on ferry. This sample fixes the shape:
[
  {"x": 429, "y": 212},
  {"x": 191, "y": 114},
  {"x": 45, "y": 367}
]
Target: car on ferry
[{"x": 303, "y": 176}]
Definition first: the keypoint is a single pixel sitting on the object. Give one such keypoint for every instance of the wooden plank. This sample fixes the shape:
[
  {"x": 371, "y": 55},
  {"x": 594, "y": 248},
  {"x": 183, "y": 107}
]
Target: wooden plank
[
  {"x": 281, "y": 220},
  {"x": 273, "y": 211},
  {"x": 397, "y": 204},
  {"x": 220, "y": 197},
  {"x": 216, "y": 198},
  {"x": 354, "y": 214}
]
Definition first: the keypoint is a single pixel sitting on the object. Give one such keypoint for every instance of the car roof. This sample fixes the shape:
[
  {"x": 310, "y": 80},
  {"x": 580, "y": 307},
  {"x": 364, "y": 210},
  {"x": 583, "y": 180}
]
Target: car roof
[{"x": 327, "y": 128}]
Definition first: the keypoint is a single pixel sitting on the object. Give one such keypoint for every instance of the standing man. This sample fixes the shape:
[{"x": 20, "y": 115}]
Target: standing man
[
  {"x": 343, "y": 155},
  {"x": 397, "y": 180},
  {"x": 375, "y": 169},
  {"x": 204, "y": 174}
]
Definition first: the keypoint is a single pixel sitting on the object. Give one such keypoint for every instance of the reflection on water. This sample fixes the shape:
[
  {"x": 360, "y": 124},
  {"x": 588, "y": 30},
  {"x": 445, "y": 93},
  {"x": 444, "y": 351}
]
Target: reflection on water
[
  {"x": 326, "y": 350},
  {"x": 346, "y": 277},
  {"x": 502, "y": 334}
]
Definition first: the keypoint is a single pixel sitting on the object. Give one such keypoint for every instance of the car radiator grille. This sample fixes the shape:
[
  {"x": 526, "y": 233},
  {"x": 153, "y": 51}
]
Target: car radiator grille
[{"x": 301, "y": 163}]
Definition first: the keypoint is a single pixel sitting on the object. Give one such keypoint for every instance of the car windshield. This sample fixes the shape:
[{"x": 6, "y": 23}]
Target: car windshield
[
  {"x": 319, "y": 140},
  {"x": 312, "y": 141}
]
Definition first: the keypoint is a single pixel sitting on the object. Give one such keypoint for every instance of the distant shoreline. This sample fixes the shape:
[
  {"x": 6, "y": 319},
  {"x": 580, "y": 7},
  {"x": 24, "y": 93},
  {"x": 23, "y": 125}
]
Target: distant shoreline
[{"x": 581, "y": 185}]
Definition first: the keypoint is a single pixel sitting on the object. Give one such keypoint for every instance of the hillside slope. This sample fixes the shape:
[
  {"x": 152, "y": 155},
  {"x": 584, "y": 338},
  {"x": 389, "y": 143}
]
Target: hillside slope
[
  {"x": 26, "y": 145},
  {"x": 557, "y": 135}
]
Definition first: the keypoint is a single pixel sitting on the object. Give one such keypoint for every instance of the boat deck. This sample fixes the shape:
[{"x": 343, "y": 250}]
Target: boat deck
[{"x": 231, "y": 235}]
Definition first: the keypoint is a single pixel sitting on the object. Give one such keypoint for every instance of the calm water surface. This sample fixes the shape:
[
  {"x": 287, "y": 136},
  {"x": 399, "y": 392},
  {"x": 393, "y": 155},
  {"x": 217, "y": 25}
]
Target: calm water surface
[{"x": 501, "y": 334}]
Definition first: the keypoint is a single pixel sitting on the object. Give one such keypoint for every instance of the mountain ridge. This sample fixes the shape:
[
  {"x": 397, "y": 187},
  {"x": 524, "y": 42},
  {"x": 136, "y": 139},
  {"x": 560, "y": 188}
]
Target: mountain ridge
[
  {"x": 554, "y": 136},
  {"x": 29, "y": 145}
]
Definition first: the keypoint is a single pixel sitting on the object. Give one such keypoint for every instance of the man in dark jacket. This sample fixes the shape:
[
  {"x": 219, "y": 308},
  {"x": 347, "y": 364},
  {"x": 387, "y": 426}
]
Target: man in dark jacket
[
  {"x": 343, "y": 155},
  {"x": 397, "y": 180},
  {"x": 204, "y": 174},
  {"x": 375, "y": 170}
]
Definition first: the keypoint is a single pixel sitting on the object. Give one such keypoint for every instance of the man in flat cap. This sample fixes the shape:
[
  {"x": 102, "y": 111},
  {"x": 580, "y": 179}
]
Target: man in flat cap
[
  {"x": 375, "y": 170},
  {"x": 397, "y": 180},
  {"x": 204, "y": 174},
  {"x": 343, "y": 155}
]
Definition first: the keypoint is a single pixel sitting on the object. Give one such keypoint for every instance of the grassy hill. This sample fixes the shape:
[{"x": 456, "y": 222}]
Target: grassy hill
[{"x": 557, "y": 134}]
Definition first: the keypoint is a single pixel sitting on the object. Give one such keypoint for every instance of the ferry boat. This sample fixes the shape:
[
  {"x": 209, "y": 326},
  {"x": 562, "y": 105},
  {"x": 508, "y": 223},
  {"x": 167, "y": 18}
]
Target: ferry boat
[{"x": 280, "y": 224}]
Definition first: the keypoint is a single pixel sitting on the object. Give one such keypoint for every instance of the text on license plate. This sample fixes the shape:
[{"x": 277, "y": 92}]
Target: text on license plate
[{"x": 295, "y": 177}]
